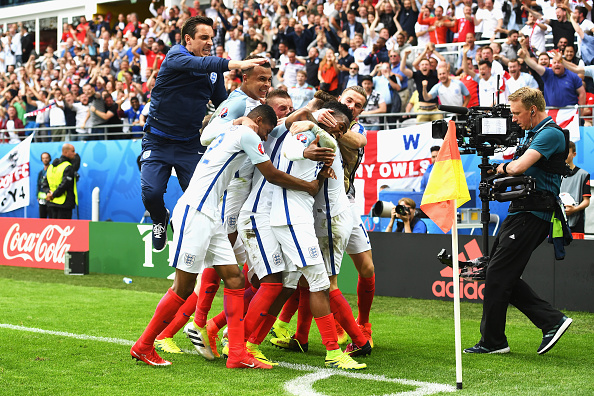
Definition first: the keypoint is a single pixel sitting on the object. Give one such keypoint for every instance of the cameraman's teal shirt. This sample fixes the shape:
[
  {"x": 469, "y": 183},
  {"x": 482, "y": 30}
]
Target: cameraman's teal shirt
[{"x": 547, "y": 141}]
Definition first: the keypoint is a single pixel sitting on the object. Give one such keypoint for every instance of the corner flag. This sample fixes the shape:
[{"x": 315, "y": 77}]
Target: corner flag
[{"x": 447, "y": 188}]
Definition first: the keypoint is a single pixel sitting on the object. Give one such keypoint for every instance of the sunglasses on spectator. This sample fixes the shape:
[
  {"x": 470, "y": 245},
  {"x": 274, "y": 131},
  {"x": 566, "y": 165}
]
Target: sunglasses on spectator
[{"x": 354, "y": 68}]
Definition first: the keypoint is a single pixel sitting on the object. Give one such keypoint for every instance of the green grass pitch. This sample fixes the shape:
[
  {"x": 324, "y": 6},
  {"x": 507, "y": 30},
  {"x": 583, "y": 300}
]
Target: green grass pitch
[{"x": 87, "y": 324}]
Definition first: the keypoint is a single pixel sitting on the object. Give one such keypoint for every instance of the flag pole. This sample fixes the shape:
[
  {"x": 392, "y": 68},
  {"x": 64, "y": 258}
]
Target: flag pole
[{"x": 456, "y": 282}]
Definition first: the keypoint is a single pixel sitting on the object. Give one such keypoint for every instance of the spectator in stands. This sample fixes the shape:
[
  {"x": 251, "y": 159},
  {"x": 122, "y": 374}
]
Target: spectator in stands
[
  {"x": 301, "y": 93},
  {"x": 471, "y": 54},
  {"x": 490, "y": 18},
  {"x": 487, "y": 82},
  {"x": 407, "y": 223},
  {"x": 518, "y": 79},
  {"x": 11, "y": 124},
  {"x": 354, "y": 77},
  {"x": 450, "y": 92},
  {"x": 470, "y": 84},
  {"x": 388, "y": 84},
  {"x": 132, "y": 115},
  {"x": 344, "y": 61},
  {"x": 288, "y": 71},
  {"x": 509, "y": 49},
  {"x": 407, "y": 17},
  {"x": 561, "y": 27},
  {"x": 488, "y": 54},
  {"x": 311, "y": 67},
  {"x": 375, "y": 104},
  {"x": 440, "y": 24},
  {"x": 328, "y": 74},
  {"x": 561, "y": 87},
  {"x": 535, "y": 31},
  {"x": 404, "y": 92},
  {"x": 299, "y": 39},
  {"x": 360, "y": 53},
  {"x": 465, "y": 26},
  {"x": 352, "y": 26},
  {"x": 422, "y": 31},
  {"x": 579, "y": 15},
  {"x": 425, "y": 179},
  {"x": 378, "y": 54},
  {"x": 570, "y": 56},
  {"x": 423, "y": 72}
]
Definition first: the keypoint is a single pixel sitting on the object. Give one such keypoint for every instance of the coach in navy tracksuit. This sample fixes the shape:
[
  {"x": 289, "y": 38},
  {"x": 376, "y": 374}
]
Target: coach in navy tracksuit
[{"x": 188, "y": 79}]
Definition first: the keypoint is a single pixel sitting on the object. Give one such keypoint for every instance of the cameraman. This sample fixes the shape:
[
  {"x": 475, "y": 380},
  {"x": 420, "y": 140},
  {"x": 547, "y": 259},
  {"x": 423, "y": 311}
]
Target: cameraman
[
  {"x": 405, "y": 211},
  {"x": 526, "y": 226}
]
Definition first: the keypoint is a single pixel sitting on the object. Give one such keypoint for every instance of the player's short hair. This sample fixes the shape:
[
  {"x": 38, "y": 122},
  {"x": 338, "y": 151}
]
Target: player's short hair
[
  {"x": 572, "y": 146},
  {"x": 266, "y": 112},
  {"x": 529, "y": 97},
  {"x": 190, "y": 24},
  {"x": 265, "y": 65},
  {"x": 277, "y": 93},
  {"x": 359, "y": 89},
  {"x": 319, "y": 99},
  {"x": 338, "y": 107},
  {"x": 434, "y": 148},
  {"x": 409, "y": 202}
]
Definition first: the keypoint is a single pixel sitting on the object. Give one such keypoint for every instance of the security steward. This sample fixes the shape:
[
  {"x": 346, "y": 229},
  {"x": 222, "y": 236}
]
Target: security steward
[
  {"x": 524, "y": 229},
  {"x": 61, "y": 183}
]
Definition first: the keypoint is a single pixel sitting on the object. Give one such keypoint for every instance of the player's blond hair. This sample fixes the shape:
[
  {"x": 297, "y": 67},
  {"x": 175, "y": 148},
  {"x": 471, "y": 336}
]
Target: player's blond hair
[{"x": 529, "y": 97}]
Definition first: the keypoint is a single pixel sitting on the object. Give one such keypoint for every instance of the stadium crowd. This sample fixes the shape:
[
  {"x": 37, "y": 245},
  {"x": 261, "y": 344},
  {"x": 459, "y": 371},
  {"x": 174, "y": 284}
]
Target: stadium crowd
[{"x": 103, "y": 70}]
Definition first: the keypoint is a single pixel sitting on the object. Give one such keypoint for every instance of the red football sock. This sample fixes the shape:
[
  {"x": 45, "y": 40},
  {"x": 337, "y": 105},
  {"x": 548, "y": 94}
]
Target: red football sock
[
  {"x": 209, "y": 284},
  {"x": 164, "y": 314},
  {"x": 249, "y": 293},
  {"x": 261, "y": 332},
  {"x": 290, "y": 307},
  {"x": 181, "y": 317},
  {"x": 344, "y": 315},
  {"x": 304, "y": 317},
  {"x": 365, "y": 293},
  {"x": 267, "y": 293},
  {"x": 220, "y": 320},
  {"x": 233, "y": 303},
  {"x": 328, "y": 332}
]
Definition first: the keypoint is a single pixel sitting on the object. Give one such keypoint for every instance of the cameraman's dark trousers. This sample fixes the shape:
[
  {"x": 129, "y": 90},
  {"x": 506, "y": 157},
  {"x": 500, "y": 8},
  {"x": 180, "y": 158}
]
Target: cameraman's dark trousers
[{"x": 519, "y": 236}]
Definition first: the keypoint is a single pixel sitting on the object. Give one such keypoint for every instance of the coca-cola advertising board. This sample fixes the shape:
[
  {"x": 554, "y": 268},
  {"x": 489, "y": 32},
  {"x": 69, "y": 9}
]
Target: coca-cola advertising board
[{"x": 41, "y": 243}]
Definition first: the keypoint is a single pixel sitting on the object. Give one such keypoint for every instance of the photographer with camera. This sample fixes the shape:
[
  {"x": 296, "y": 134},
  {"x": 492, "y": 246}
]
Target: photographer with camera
[
  {"x": 543, "y": 158},
  {"x": 409, "y": 224}
]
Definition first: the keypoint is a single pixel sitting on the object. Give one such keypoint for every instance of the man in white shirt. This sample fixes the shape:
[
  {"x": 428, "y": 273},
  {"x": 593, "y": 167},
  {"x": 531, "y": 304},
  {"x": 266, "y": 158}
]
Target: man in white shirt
[
  {"x": 375, "y": 103},
  {"x": 486, "y": 80},
  {"x": 83, "y": 126},
  {"x": 301, "y": 93},
  {"x": 287, "y": 73},
  {"x": 579, "y": 15},
  {"x": 360, "y": 53},
  {"x": 518, "y": 79},
  {"x": 57, "y": 118},
  {"x": 491, "y": 18},
  {"x": 535, "y": 31},
  {"x": 450, "y": 92}
]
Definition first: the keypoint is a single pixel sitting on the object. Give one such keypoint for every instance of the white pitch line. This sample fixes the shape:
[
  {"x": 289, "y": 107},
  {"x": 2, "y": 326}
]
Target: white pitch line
[{"x": 300, "y": 386}]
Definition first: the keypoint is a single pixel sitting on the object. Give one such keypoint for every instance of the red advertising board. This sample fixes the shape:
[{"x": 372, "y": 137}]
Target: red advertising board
[{"x": 41, "y": 243}]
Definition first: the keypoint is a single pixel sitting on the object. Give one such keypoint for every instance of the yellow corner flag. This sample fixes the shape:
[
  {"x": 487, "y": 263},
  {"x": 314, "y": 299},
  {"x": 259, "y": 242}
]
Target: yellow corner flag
[{"x": 447, "y": 184}]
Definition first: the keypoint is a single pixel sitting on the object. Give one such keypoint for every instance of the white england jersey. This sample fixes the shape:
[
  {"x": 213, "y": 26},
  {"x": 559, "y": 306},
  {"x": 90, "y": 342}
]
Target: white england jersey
[
  {"x": 260, "y": 198},
  {"x": 223, "y": 157},
  {"x": 290, "y": 207},
  {"x": 332, "y": 196}
]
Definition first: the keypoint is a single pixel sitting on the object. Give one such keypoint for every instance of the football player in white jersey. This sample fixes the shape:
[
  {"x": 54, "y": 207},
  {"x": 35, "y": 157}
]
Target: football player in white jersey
[
  {"x": 253, "y": 90},
  {"x": 292, "y": 223},
  {"x": 333, "y": 222},
  {"x": 199, "y": 236}
]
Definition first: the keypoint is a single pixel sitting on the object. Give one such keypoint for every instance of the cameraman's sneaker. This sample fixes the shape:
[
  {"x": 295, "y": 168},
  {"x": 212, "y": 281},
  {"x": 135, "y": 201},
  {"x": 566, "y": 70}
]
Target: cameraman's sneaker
[
  {"x": 290, "y": 344},
  {"x": 478, "y": 348},
  {"x": 551, "y": 337},
  {"x": 199, "y": 338},
  {"x": 353, "y": 350},
  {"x": 160, "y": 234},
  {"x": 167, "y": 345}
]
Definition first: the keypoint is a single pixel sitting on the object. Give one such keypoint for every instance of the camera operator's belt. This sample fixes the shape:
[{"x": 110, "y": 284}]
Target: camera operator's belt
[
  {"x": 537, "y": 201},
  {"x": 427, "y": 108}
]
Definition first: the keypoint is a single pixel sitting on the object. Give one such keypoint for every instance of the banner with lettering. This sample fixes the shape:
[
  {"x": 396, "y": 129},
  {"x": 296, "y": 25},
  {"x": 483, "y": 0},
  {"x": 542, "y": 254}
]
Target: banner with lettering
[
  {"x": 41, "y": 243},
  {"x": 14, "y": 177},
  {"x": 397, "y": 158}
]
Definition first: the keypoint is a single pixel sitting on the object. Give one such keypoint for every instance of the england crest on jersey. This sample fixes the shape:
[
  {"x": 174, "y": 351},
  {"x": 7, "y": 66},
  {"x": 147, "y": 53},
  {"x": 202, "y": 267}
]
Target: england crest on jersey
[{"x": 213, "y": 77}]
